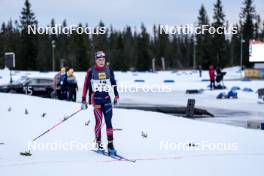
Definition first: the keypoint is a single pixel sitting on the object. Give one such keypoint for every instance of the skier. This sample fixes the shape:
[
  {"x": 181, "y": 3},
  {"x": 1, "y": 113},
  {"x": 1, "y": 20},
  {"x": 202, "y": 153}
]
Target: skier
[
  {"x": 212, "y": 76},
  {"x": 99, "y": 79},
  {"x": 72, "y": 85}
]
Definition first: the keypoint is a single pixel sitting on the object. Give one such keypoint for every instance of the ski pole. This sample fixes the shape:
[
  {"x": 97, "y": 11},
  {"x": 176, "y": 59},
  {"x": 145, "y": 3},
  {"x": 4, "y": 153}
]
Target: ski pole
[{"x": 27, "y": 153}]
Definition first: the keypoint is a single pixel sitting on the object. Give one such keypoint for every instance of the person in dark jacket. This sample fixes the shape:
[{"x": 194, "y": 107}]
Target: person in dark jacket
[
  {"x": 219, "y": 78},
  {"x": 200, "y": 70},
  {"x": 57, "y": 85},
  {"x": 99, "y": 81},
  {"x": 63, "y": 86},
  {"x": 72, "y": 86}
]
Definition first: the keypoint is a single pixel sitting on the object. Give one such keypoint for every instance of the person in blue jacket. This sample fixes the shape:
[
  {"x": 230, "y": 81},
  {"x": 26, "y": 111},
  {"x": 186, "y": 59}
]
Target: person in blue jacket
[
  {"x": 63, "y": 85},
  {"x": 98, "y": 82}
]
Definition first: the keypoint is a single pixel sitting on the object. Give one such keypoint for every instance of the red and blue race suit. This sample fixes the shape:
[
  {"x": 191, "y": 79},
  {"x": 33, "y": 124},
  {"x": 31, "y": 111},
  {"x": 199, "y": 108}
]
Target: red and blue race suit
[{"x": 98, "y": 82}]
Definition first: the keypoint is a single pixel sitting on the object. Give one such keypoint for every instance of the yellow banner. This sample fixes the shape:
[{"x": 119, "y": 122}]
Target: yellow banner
[{"x": 252, "y": 73}]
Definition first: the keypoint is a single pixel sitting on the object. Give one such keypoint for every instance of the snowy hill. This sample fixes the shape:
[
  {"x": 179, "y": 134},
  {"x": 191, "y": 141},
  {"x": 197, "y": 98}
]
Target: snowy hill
[{"x": 219, "y": 149}]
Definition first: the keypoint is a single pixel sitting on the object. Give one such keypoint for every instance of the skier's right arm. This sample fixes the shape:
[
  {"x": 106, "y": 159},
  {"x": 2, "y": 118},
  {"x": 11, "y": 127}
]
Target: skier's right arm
[{"x": 87, "y": 82}]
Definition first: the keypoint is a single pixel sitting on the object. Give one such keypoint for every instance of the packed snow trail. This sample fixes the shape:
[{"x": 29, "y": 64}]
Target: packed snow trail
[{"x": 151, "y": 153}]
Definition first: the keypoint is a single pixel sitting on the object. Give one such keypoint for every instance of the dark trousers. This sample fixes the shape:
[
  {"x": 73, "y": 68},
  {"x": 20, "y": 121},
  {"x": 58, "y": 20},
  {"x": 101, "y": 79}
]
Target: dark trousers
[
  {"x": 103, "y": 109},
  {"x": 71, "y": 95},
  {"x": 212, "y": 84},
  {"x": 58, "y": 92},
  {"x": 64, "y": 94}
]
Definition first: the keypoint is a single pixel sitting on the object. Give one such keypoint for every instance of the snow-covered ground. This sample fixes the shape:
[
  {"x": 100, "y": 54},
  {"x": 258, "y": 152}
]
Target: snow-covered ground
[
  {"x": 228, "y": 111},
  {"x": 219, "y": 149},
  {"x": 239, "y": 151}
]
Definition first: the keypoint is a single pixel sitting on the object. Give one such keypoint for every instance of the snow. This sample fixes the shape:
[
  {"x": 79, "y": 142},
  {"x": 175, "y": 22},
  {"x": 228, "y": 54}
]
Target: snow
[
  {"x": 17, "y": 129},
  {"x": 235, "y": 112},
  {"x": 244, "y": 157}
]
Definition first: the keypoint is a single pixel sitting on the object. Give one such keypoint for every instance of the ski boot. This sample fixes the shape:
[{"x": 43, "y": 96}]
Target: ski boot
[
  {"x": 99, "y": 146},
  {"x": 111, "y": 149}
]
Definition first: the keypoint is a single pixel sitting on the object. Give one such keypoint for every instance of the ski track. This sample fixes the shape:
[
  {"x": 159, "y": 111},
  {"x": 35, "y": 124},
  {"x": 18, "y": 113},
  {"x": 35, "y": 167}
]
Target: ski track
[{"x": 195, "y": 156}]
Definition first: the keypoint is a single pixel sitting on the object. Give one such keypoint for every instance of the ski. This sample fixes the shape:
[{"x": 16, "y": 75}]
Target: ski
[
  {"x": 125, "y": 159},
  {"x": 116, "y": 157}
]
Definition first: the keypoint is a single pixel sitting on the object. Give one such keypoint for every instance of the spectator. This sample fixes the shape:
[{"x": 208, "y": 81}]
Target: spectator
[
  {"x": 219, "y": 78},
  {"x": 57, "y": 86},
  {"x": 212, "y": 77},
  {"x": 63, "y": 78},
  {"x": 72, "y": 86},
  {"x": 200, "y": 70}
]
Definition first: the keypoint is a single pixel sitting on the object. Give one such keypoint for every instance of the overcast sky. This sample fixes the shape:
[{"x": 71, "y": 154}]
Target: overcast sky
[{"x": 122, "y": 12}]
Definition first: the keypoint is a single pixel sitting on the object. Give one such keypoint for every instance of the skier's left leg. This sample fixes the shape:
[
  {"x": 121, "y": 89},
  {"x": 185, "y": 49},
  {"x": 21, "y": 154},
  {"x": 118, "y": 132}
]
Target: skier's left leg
[{"x": 108, "y": 113}]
